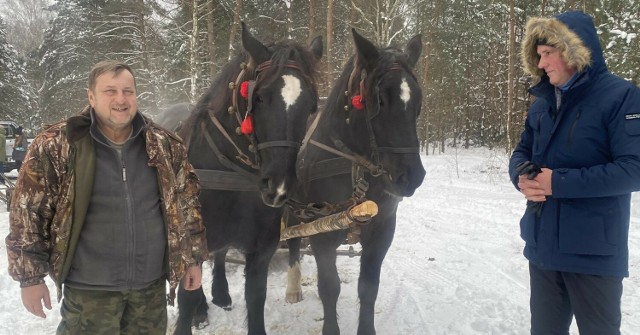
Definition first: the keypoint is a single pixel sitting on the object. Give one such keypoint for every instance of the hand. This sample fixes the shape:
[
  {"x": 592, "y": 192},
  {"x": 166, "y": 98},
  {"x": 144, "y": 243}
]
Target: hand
[
  {"x": 192, "y": 279},
  {"x": 537, "y": 189},
  {"x": 32, "y": 298},
  {"x": 544, "y": 178}
]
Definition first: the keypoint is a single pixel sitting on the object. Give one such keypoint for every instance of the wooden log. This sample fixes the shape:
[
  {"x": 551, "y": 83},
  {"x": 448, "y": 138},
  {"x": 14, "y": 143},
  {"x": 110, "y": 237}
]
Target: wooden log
[{"x": 338, "y": 221}]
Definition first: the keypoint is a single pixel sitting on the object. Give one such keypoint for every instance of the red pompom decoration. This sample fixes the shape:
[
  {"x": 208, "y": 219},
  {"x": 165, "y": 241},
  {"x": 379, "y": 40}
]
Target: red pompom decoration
[
  {"x": 357, "y": 102},
  {"x": 244, "y": 89},
  {"x": 247, "y": 125}
]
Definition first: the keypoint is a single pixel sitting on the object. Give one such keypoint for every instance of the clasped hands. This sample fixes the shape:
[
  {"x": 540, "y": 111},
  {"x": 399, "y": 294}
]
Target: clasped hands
[{"x": 538, "y": 188}]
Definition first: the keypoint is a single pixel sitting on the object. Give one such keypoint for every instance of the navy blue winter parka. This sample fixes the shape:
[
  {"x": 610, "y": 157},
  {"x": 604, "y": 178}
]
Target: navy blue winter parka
[{"x": 591, "y": 141}]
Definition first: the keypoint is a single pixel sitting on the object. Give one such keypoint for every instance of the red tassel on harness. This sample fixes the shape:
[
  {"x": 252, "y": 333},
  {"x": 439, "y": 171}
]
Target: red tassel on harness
[
  {"x": 357, "y": 102},
  {"x": 247, "y": 125},
  {"x": 244, "y": 89}
]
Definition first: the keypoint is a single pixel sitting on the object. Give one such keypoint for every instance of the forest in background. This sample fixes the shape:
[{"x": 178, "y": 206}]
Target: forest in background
[{"x": 474, "y": 89}]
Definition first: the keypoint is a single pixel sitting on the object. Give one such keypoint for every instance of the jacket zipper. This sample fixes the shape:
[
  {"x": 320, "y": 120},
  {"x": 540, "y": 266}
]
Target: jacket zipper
[
  {"x": 573, "y": 127},
  {"x": 129, "y": 213}
]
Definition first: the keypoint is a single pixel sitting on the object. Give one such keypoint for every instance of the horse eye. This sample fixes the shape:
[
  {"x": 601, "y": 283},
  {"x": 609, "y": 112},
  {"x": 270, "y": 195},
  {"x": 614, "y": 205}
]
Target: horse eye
[{"x": 257, "y": 99}]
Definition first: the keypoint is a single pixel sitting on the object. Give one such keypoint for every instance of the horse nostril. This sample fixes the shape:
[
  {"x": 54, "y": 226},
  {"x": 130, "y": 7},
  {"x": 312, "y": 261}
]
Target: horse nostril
[
  {"x": 281, "y": 198},
  {"x": 402, "y": 179},
  {"x": 265, "y": 184}
]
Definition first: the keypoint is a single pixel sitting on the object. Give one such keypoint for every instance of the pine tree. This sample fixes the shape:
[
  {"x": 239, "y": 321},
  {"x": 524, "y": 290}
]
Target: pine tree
[
  {"x": 15, "y": 97},
  {"x": 66, "y": 59}
]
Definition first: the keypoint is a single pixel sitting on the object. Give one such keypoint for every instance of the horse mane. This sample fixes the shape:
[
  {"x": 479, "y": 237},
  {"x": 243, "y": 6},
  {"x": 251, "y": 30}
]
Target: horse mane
[{"x": 218, "y": 99}]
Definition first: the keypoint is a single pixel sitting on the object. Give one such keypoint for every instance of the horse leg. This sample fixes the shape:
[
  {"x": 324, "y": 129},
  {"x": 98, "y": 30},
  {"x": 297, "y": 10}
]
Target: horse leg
[
  {"x": 294, "y": 276},
  {"x": 220, "y": 286},
  {"x": 328, "y": 283},
  {"x": 373, "y": 253},
  {"x": 189, "y": 304},
  {"x": 255, "y": 289}
]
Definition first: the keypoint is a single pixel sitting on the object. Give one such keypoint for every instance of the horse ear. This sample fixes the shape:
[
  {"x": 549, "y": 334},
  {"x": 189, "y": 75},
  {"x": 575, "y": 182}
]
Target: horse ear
[
  {"x": 413, "y": 50},
  {"x": 367, "y": 52},
  {"x": 316, "y": 47},
  {"x": 255, "y": 48}
]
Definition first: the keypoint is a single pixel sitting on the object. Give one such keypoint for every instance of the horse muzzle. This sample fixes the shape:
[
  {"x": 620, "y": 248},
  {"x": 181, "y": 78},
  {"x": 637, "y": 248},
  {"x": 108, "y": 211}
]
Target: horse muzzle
[
  {"x": 275, "y": 194},
  {"x": 403, "y": 179}
]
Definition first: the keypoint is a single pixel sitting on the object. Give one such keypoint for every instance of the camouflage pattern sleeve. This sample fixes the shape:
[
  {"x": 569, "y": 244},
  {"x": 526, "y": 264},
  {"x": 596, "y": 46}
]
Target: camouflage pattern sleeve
[
  {"x": 191, "y": 205},
  {"x": 29, "y": 243}
]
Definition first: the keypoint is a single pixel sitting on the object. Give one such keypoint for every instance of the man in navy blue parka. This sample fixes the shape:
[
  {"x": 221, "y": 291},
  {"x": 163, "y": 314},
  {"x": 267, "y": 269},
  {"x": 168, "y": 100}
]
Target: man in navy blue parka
[{"x": 583, "y": 131}]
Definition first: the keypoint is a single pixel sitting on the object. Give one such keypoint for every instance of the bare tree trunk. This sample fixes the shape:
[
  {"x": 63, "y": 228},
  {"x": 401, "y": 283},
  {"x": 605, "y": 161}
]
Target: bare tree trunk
[
  {"x": 145, "y": 53},
  {"x": 312, "y": 20},
  {"x": 193, "y": 54},
  {"x": 510, "y": 80},
  {"x": 543, "y": 7},
  {"x": 329, "y": 58},
  {"x": 234, "y": 27},
  {"x": 289, "y": 24},
  {"x": 210, "y": 39},
  {"x": 353, "y": 19},
  {"x": 467, "y": 108},
  {"x": 426, "y": 72}
]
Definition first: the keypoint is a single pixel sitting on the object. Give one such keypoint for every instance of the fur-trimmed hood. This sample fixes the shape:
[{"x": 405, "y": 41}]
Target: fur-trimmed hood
[{"x": 572, "y": 32}]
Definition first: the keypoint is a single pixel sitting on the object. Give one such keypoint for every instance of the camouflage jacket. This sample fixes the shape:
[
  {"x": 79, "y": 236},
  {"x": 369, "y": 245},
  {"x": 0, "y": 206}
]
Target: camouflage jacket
[{"x": 50, "y": 201}]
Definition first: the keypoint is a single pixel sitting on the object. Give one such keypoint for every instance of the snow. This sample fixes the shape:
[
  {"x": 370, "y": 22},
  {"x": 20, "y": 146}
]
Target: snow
[{"x": 455, "y": 266}]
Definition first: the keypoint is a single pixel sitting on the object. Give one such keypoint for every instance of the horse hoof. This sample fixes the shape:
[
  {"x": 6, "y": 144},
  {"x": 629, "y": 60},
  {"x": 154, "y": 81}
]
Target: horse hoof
[
  {"x": 200, "y": 322},
  {"x": 182, "y": 330},
  {"x": 294, "y": 297},
  {"x": 223, "y": 303}
]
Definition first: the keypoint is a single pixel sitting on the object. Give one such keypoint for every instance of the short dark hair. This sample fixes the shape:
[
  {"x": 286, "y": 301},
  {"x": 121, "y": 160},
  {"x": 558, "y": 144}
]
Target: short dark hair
[{"x": 108, "y": 66}]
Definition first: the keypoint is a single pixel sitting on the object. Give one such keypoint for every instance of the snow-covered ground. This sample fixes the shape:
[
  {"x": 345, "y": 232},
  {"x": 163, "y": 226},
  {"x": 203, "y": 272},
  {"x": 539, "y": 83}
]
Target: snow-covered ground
[{"x": 455, "y": 266}]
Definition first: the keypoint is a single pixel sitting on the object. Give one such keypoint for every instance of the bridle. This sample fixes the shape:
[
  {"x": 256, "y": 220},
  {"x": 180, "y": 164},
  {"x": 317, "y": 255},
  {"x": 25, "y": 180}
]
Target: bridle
[
  {"x": 373, "y": 165},
  {"x": 234, "y": 109},
  {"x": 358, "y": 163}
]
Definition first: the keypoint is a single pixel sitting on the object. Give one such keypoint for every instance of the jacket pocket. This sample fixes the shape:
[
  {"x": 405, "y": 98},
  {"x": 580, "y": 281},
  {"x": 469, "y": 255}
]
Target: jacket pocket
[
  {"x": 589, "y": 227},
  {"x": 528, "y": 228},
  {"x": 632, "y": 124}
]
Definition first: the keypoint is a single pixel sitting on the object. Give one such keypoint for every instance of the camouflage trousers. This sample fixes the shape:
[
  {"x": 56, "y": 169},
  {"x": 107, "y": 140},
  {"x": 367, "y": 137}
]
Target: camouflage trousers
[{"x": 127, "y": 312}]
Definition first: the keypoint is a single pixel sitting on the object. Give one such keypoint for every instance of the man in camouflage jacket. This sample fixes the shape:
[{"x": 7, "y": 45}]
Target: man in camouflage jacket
[{"x": 57, "y": 202}]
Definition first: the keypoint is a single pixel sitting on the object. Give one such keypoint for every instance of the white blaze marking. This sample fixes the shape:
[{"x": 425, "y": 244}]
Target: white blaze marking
[
  {"x": 405, "y": 92},
  {"x": 291, "y": 90},
  {"x": 281, "y": 190}
]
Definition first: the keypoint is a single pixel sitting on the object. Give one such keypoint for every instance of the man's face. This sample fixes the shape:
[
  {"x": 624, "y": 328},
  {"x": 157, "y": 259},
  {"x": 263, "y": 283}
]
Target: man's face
[
  {"x": 114, "y": 100},
  {"x": 554, "y": 65}
]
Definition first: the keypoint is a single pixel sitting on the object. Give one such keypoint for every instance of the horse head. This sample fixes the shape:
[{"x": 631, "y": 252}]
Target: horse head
[
  {"x": 279, "y": 101},
  {"x": 382, "y": 105}
]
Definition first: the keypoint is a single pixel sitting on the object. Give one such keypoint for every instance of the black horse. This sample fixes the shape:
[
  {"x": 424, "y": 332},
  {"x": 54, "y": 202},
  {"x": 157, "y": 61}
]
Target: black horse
[
  {"x": 243, "y": 138},
  {"x": 174, "y": 116},
  {"x": 364, "y": 145}
]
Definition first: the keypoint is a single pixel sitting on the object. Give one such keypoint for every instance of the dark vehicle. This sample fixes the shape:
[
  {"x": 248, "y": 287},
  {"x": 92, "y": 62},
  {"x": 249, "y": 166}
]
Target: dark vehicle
[{"x": 11, "y": 130}]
